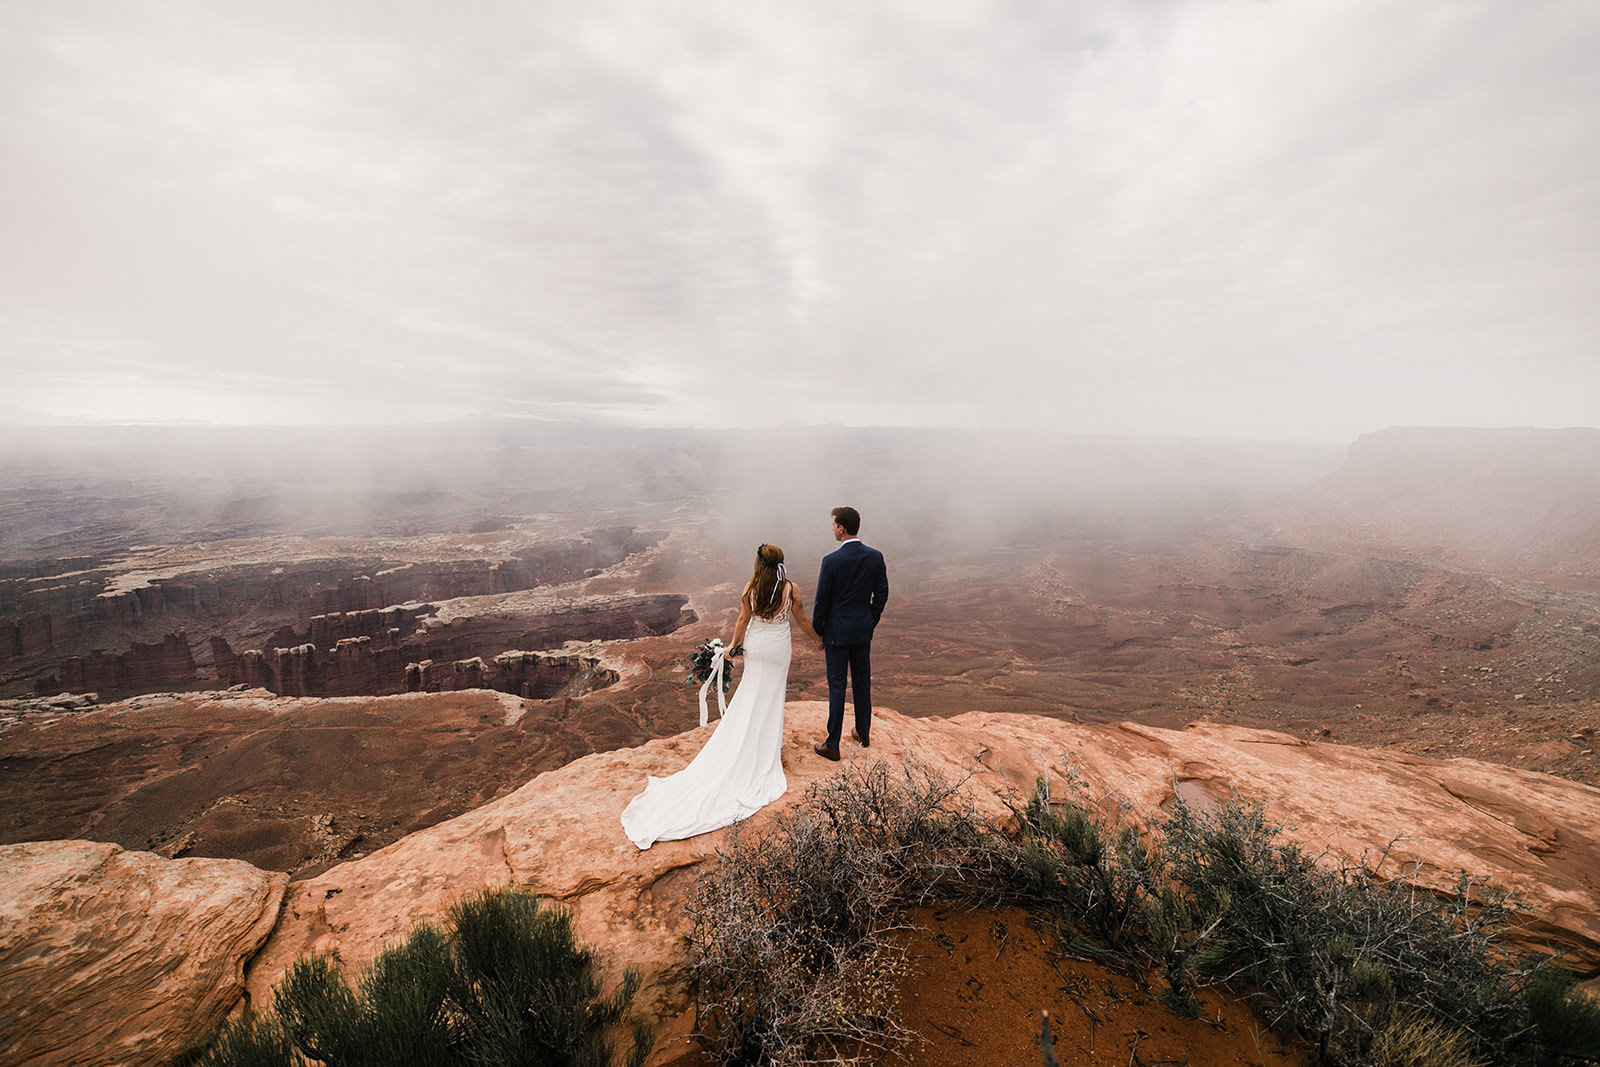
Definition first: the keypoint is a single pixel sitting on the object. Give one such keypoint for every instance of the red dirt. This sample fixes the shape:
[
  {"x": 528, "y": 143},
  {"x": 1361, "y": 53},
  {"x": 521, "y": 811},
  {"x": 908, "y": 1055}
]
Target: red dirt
[
  {"x": 979, "y": 980},
  {"x": 295, "y": 785}
]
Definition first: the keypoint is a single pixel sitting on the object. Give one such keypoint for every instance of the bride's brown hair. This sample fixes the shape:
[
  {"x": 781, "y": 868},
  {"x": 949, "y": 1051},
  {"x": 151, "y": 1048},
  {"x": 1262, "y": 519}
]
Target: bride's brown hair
[{"x": 764, "y": 598}]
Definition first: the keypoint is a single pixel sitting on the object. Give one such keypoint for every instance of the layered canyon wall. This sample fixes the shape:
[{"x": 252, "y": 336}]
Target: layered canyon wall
[
  {"x": 60, "y": 629},
  {"x": 379, "y": 659},
  {"x": 143, "y": 666}
]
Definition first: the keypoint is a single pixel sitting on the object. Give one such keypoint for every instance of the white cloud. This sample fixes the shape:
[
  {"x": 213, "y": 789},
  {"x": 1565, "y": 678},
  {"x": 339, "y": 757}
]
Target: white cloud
[{"x": 1282, "y": 219}]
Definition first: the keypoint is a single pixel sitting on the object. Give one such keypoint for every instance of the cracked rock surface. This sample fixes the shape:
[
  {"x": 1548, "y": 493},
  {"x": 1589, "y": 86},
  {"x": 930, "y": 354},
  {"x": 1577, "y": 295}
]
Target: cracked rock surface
[
  {"x": 113, "y": 957},
  {"x": 559, "y": 835}
]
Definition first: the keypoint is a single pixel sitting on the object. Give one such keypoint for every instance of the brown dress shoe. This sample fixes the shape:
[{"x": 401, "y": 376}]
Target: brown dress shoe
[
  {"x": 857, "y": 739},
  {"x": 825, "y": 752}
]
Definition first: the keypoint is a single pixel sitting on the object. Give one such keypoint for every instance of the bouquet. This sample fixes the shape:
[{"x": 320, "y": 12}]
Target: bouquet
[{"x": 700, "y": 668}]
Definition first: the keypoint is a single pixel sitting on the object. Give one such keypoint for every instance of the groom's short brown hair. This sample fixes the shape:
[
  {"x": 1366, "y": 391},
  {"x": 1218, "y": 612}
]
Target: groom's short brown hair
[{"x": 849, "y": 518}]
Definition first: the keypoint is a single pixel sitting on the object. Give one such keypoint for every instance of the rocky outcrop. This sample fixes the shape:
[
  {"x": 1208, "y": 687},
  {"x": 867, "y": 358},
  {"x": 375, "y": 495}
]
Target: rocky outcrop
[
  {"x": 160, "y": 938},
  {"x": 382, "y": 647},
  {"x": 560, "y": 836},
  {"x": 113, "y": 957},
  {"x": 142, "y": 666},
  {"x": 531, "y": 675},
  {"x": 325, "y": 631},
  {"x": 48, "y": 617},
  {"x": 44, "y": 620}
]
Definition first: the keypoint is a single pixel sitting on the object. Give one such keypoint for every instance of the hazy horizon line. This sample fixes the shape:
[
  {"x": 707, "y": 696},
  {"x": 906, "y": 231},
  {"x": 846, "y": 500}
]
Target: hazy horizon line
[{"x": 71, "y": 424}]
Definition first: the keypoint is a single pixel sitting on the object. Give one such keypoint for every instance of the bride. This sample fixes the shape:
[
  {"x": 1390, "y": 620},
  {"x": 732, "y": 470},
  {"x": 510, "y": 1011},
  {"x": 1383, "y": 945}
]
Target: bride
[{"x": 740, "y": 770}]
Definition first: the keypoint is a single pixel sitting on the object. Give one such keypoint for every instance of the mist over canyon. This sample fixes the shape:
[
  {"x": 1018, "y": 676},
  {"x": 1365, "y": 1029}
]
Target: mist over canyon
[
  {"x": 1430, "y": 588},
  {"x": 300, "y": 649}
]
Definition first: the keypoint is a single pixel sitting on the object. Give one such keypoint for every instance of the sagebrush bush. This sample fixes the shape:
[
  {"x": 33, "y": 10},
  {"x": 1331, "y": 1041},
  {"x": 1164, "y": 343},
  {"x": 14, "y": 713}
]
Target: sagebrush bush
[
  {"x": 1409, "y": 1039},
  {"x": 1094, "y": 879},
  {"x": 1567, "y": 1021},
  {"x": 1366, "y": 971},
  {"x": 503, "y": 982},
  {"x": 794, "y": 959},
  {"x": 253, "y": 1040}
]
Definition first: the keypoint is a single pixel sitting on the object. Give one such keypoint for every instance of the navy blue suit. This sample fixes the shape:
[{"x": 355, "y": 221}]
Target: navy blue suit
[{"x": 851, "y": 592}]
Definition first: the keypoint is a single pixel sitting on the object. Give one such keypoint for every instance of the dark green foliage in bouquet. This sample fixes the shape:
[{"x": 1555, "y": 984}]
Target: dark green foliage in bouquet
[
  {"x": 503, "y": 982},
  {"x": 701, "y": 668}
]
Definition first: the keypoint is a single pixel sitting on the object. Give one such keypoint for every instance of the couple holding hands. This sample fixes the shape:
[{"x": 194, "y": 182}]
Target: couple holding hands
[{"x": 740, "y": 769}]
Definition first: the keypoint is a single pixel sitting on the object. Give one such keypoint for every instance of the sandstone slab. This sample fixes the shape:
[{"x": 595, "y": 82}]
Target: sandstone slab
[
  {"x": 559, "y": 835},
  {"x": 114, "y": 957}
]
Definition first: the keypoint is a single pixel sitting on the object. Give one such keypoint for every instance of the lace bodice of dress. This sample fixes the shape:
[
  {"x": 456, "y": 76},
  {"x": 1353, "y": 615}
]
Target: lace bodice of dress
[{"x": 782, "y": 617}]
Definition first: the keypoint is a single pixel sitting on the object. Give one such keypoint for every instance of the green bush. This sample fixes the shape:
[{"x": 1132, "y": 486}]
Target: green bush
[
  {"x": 1567, "y": 1021},
  {"x": 1091, "y": 877},
  {"x": 794, "y": 959},
  {"x": 250, "y": 1041},
  {"x": 504, "y": 982},
  {"x": 1365, "y": 971},
  {"x": 1332, "y": 951},
  {"x": 793, "y": 956}
]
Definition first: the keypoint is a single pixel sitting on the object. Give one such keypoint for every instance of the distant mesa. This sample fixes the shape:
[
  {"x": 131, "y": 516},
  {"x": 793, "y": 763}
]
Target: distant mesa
[
  {"x": 1521, "y": 500},
  {"x": 1547, "y": 467}
]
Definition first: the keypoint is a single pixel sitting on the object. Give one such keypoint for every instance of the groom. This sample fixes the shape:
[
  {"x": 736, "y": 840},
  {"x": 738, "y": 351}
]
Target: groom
[{"x": 851, "y": 593}]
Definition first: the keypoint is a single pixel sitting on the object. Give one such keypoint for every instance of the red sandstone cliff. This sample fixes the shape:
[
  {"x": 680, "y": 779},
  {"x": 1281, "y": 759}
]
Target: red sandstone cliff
[
  {"x": 559, "y": 836},
  {"x": 379, "y": 652},
  {"x": 143, "y": 666},
  {"x": 55, "y": 626}
]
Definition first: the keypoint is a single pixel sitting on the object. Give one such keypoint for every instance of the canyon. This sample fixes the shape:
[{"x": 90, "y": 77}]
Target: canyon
[
  {"x": 330, "y": 626},
  {"x": 1394, "y": 642}
]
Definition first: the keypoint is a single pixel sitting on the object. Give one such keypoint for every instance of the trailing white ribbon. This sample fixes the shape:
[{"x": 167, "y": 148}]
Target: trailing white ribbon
[{"x": 717, "y": 664}]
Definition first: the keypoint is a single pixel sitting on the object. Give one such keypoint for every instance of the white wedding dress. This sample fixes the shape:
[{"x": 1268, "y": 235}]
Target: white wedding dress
[{"x": 740, "y": 770}]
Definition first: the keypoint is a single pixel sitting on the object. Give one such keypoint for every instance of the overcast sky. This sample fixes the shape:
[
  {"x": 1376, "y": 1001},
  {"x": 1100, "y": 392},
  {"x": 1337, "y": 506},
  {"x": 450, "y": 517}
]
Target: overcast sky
[{"x": 1287, "y": 220}]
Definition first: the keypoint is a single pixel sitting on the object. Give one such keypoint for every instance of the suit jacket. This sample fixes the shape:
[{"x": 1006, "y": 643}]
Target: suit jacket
[{"x": 851, "y": 592}]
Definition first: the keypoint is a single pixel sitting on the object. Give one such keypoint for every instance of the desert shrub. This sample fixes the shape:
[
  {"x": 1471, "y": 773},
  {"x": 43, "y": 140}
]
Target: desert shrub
[
  {"x": 794, "y": 961},
  {"x": 1366, "y": 971},
  {"x": 1330, "y": 950},
  {"x": 1567, "y": 1021},
  {"x": 1409, "y": 1039},
  {"x": 527, "y": 992},
  {"x": 252, "y": 1040},
  {"x": 504, "y": 982},
  {"x": 793, "y": 958},
  {"x": 1093, "y": 878}
]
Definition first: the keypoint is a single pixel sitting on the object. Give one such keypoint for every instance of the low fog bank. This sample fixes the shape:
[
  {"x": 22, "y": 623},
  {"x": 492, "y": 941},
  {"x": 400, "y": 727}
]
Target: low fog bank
[
  {"x": 1500, "y": 499},
  {"x": 1514, "y": 500},
  {"x": 923, "y": 489},
  {"x": 70, "y": 490}
]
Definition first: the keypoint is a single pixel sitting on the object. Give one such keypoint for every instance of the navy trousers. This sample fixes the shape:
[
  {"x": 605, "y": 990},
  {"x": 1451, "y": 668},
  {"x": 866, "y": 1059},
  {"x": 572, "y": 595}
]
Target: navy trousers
[{"x": 857, "y": 661}]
